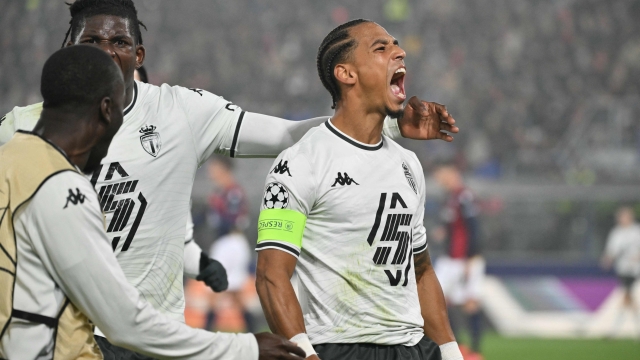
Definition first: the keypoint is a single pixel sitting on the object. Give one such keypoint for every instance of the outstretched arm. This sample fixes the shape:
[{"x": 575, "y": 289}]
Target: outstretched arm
[
  {"x": 434, "y": 308},
  {"x": 258, "y": 135},
  {"x": 279, "y": 302}
]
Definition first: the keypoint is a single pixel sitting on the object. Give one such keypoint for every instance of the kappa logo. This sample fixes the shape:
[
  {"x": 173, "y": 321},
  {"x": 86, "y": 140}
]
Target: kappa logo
[
  {"x": 281, "y": 168},
  {"x": 344, "y": 180},
  {"x": 150, "y": 140},
  {"x": 197, "y": 91},
  {"x": 74, "y": 199},
  {"x": 409, "y": 177}
]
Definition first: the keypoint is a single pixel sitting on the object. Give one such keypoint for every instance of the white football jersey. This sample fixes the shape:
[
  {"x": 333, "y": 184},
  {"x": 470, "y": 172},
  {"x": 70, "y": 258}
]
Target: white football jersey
[
  {"x": 364, "y": 209},
  {"x": 145, "y": 182}
]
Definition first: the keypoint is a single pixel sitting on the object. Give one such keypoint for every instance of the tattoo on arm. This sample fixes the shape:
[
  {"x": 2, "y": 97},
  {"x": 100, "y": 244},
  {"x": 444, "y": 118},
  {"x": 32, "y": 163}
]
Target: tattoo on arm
[{"x": 422, "y": 263}]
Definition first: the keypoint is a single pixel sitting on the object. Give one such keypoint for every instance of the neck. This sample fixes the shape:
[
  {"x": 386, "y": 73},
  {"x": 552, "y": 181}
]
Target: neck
[
  {"x": 358, "y": 122},
  {"x": 129, "y": 93},
  {"x": 67, "y": 131}
]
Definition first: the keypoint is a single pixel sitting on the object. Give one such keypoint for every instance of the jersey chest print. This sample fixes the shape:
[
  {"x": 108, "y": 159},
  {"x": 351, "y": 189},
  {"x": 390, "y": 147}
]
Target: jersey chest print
[
  {"x": 118, "y": 200},
  {"x": 392, "y": 236}
]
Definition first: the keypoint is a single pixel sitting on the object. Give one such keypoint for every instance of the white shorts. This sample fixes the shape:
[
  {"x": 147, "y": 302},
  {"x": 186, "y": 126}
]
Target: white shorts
[
  {"x": 457, "y": 286},
  {"x": 234, "y": 254}
]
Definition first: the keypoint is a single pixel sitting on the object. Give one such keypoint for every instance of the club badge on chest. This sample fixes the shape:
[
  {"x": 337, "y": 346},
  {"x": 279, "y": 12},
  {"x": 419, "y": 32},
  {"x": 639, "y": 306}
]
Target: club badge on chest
[{"x": 150, "y": 140}]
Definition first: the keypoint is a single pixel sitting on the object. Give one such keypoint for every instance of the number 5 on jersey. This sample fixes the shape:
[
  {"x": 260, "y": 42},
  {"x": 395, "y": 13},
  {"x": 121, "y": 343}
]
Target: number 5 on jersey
[{"x": 117, "y": 201}]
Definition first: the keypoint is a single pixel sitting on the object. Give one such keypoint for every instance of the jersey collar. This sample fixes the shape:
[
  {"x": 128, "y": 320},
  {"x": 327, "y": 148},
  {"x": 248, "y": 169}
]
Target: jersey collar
[
  {"x": 352, "y": 141},
  {"x": 135, "y": 97}
]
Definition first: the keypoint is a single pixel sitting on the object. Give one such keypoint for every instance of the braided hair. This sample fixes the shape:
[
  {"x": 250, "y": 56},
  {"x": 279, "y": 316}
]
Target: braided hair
[
  {"x": 335, "y": 48},
  {"x": 83, "y": 9}
]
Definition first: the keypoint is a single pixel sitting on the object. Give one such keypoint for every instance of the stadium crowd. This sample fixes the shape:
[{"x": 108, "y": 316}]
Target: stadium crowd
[{"x": 523, "y": 76}]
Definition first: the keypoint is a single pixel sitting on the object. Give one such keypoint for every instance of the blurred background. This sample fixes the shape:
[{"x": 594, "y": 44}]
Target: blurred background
[{"x": 547, "y": 96}]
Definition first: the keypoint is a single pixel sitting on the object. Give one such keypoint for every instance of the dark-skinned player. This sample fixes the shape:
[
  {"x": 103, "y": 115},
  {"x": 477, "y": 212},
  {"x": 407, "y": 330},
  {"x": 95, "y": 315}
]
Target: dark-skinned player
[
  {"x": 58, "y": 274},
  {"x": 145, "y": 181},
  {"x": 348, "y": 217}
]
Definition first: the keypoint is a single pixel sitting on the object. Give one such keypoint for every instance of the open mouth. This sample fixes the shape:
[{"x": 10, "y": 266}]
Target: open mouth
[{"x": 397, "y": 83}]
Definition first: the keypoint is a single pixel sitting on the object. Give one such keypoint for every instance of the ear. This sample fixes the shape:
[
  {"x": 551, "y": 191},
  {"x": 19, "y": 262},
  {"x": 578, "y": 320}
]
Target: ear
[
  {"x": 141, "y": 52},
  {"x": 105, "y": 111},
  {"x": 345, "y": 74}
]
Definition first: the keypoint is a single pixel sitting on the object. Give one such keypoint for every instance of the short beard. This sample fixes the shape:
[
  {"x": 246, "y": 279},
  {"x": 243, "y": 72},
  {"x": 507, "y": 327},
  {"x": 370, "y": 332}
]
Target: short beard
[{"x": 395, "y": 114}]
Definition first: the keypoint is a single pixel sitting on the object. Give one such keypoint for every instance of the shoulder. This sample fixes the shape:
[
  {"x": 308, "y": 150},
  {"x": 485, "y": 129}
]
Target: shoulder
[
  {"x": 408, "y": 156},
  {"x": 20, "y": 118},
  {"x": 310, "y": 145},
  {"x": 63, "y": 190},
  {"x": 27, "y": 113}
]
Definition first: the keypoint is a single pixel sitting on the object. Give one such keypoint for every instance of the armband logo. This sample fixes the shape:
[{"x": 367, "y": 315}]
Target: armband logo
[
  {"x": 150, "y": 140},
  {"x": 275, "y": 225},
  {"x": 276, "y": 196}
]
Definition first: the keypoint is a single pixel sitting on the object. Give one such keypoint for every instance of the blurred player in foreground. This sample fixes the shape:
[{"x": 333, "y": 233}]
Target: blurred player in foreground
[
  {"x": 144, "y": 183},
  {"x": 345, "y": 205},
  {"x": 461, "y": 270},
  {"x": 622, "y": 252},
  {"x": 57, "y": 269}
]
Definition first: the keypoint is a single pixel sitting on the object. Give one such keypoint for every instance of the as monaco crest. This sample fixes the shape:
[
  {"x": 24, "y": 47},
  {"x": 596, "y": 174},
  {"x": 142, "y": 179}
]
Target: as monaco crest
[{"x": 150, "y": 140}]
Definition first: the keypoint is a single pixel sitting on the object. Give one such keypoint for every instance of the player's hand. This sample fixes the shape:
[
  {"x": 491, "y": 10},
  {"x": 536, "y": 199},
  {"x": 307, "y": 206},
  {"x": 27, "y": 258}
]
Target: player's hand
[
  {"x": 213, "y": 274},
  {"x": 275, "y": 347},
  {"x": 313, "y": 357},
  {"x": 423, "y": 120}
]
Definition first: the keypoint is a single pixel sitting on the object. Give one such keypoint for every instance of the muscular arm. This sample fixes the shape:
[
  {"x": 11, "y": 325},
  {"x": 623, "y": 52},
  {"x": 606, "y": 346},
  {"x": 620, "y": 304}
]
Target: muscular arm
[
  {"x": 432, "y": 303},
  {"x": 279, "y": 302}
]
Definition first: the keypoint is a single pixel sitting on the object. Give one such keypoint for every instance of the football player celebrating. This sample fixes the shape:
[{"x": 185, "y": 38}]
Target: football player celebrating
[
  {"x": 144, "y": 183},
  {"x": 57, "y": 269},
  {"x": 348, "y": 213}
]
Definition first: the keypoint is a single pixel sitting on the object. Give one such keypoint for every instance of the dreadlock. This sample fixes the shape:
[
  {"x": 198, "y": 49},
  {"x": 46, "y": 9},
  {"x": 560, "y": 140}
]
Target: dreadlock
[
  {"x": 83, "y": 9},
  {"x": 335, "y": 48}
]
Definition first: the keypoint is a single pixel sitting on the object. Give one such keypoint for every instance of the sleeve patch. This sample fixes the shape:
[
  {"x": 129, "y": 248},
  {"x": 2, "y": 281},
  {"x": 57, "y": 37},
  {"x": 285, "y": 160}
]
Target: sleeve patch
[
  {"x": 281, "y": 225},
  {"x": 276, "y": 196}
]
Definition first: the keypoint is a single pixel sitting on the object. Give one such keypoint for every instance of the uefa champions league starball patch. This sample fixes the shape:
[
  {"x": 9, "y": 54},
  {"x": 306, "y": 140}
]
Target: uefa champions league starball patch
[
  {"x": 150, "y": 140},
  {"x": 276, "y": 196}
]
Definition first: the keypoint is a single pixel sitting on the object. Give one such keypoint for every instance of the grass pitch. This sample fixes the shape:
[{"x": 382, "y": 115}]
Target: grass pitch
[{"x": 495, "y": 347}]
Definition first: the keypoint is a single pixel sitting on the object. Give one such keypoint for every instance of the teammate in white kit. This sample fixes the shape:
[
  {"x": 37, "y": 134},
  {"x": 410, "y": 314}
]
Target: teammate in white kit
[
  {"x": 345, "y": 206},
  {"x": 622, "y": 252},
  {"x": 57, "y": 269},
  {"x": 145, "y": 181}
]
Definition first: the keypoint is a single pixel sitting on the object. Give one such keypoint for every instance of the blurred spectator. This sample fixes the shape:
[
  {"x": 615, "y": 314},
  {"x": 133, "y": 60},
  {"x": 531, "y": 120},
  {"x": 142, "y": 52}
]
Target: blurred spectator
[
  {"x": 623, "y": 253},
  {"x": 228, "y": 214},
  {"x": 461, "y": 269},
  {"x": 542, "y": 87}
]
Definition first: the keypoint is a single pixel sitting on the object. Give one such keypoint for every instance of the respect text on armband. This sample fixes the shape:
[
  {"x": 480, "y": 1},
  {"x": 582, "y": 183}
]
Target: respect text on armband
[{"x": 276, "y": 225}]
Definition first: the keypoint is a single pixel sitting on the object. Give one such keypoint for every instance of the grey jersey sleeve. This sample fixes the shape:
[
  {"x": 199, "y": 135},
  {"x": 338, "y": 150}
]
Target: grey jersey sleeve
[
  {"x": 258, "y": 135},
  {"x": 65, "y": 214}
]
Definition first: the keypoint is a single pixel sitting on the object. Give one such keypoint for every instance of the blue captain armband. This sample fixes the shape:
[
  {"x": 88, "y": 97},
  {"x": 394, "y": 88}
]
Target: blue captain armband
[{"x": 281, "y": 229}]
